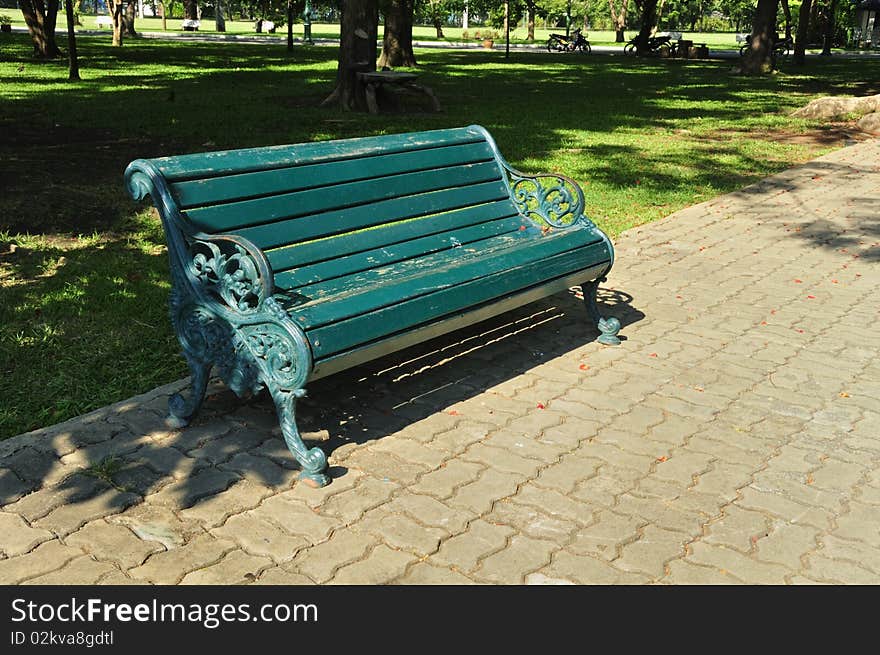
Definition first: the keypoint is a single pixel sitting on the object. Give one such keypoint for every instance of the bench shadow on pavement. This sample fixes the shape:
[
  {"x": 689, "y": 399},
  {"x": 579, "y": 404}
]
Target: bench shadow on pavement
[{"x": 349, "y": 408}]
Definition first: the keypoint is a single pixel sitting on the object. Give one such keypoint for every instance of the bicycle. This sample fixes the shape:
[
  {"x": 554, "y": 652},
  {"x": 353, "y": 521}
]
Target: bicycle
[
  {"x": 576, "y": 42},
  {"x": 780, "y": 46},
  {"x": 657, "y": 45}
]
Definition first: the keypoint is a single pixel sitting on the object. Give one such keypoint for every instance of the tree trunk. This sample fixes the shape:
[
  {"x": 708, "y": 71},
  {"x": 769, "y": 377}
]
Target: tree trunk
[
  {"x": 115, "y": 9},
  {"x": 289, "y": 25},
  {"x": 758, "y": 58},
  {"x": 73, "y": 61},
  {"x": 130, "y": 15},
  {"x": 359, "y": 30},
  {"x": 618, "y": 20},
  {"x": 649, "y": 23},
  {"x": 786, "y": 10},
  {"x": 40, "y": 19},
  {"x": 164, "y": 16},
  {"x": 438, "y": 25},
  {"x": 397, "y": 48},
  {"x": 530, "y": 23},
  {"x": 828, "y": 36},
  {"x": 219, "y": 19},
  {"x": 800, "y": 44}
]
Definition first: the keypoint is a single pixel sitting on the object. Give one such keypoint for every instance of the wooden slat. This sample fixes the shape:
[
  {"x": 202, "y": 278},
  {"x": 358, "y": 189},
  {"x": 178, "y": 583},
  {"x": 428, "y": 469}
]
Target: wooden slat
[
  {"x": 230, "y": 162},
  {"x": 195, "y": 193},
  {"x": 400, "y": 340},
  {"x": 356, "y": 218},
  {"x": 363, "y": 328},
  {"x": 239, "y": 215},
  {"x": 438, "y": 271},
  {"x": 346, "y": 265},
  {"x": 491, "y": 252},
  {"x": 303, "y": 254}
]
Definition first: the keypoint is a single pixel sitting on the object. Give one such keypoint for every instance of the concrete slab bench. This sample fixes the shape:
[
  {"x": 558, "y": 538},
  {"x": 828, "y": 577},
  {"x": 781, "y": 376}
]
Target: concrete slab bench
[{"x": 294, "y": 262}]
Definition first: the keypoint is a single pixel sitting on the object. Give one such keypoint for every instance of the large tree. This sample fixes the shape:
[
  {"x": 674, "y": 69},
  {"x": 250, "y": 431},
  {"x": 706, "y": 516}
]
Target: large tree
[
  {"x": 41, "y": 16},
  {"x": 800, "y": 44},
  {"x": 649, "y": 25},
  {"x": 618, "y": 19},
  {"x": 73, "y": 60},
  {"x": 359, "y": 31},
  {"x": 397, "y": 47},
  {"x": 828, "y": 34},
  {"x": 758, "y": 58}
]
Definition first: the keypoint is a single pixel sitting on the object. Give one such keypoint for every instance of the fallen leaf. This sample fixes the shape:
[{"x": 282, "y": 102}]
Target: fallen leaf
[
  {"x": 541, "y": 406},
  {"x": 452, "y": 412},
  {"x": 662, "y": 458},
  {"x": 522, "y": 228},
  {"x": 811, "y": 297},
  {"x": 798, "y": 281},
  {"x": 843, "y": 394},
  {"x": 810, "y": 479},
  {"x": 584, "y": 367},
  {"x": 652, "y": 355}
]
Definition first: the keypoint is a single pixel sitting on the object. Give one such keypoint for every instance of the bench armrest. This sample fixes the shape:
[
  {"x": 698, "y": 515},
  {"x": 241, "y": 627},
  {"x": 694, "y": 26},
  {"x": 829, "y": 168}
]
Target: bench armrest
[
  {"x": 228, "y": 268},
  {"x": 549, "y": 198}
]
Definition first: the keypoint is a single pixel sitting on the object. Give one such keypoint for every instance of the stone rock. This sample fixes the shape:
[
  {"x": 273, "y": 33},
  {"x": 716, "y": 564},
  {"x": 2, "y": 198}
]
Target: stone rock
[
  {"x": 835, "y": 108},
  {"x": 870, "y": 123}
]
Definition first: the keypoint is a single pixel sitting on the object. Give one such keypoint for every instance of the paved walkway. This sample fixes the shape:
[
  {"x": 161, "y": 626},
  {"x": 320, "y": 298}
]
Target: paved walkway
[{"x": 734, "y": 437}]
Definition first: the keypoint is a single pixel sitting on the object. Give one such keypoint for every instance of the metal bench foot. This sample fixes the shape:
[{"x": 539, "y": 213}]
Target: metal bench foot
[
  {"x": 181, "y": 410},
  {"x": 313, "y": 461},
  {"x": 608, "y": 327}
]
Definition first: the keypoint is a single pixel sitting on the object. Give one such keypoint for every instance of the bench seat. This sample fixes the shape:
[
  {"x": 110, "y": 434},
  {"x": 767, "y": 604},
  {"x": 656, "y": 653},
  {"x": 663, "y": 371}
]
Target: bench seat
[{"x": 290, "y": 263}]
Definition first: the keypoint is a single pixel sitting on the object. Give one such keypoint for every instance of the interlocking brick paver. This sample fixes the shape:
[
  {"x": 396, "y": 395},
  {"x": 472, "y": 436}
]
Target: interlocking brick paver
[
  {"x": 381, "y": 566},
  {"x": 649, "y": 553},
  {"x": 260, "y": 537},
  {"x": 297, "y": 518},
  {"x": 82, "y": 571},
  {"x": 744, "y": 567},
  {"x": 519, "y": 557},
  {"x": 589, "y": 570},
  {"x": 861, "y": 522},
  {"x": 69, "y": 517},
  {"x": 46, "y": 557},
  {"x": 839, "y": 571},
  {"x": 464, "y": 551},
  {"x": 320, "y": 562},
  {"x": 170, "y": 566},
  {"x": 214, "y": 510},
  {"x": 114, "y": 543},
  {"x": 425, "y": 573},
  {"x": 400, "y": 532},
  {"x": 17, "y": 537},
  {"x": 530, "y": 521},
  {"x": 236, "y": 567}
]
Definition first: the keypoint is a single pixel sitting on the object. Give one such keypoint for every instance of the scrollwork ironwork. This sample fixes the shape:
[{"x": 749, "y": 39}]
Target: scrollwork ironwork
[
  {"x": 555, "y": 200},
  {"x": 233, "y": 277}
]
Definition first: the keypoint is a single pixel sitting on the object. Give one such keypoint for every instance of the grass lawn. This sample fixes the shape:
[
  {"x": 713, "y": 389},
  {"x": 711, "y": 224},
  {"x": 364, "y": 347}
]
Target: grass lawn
[{"x": 83, "y": 271}]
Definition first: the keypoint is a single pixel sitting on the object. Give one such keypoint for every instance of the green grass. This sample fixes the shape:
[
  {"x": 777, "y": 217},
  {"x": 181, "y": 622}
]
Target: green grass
[{"x": 83, "y": 270}]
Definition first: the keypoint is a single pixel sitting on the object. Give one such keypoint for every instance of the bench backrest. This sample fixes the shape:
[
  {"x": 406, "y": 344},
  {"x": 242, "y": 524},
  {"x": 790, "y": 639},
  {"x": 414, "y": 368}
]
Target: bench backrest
[{"x": 314, "y": 208}]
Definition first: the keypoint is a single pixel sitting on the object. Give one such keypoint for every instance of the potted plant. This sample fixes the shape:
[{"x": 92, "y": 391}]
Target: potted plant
[
  {"x": 488, "y": 38},
  {"x": 5, "y": 23}
]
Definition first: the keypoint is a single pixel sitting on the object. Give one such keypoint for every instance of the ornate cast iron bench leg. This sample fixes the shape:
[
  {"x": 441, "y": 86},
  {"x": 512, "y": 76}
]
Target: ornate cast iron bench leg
[
  {"x": 312, "y": 460},
  {"x": 609, "y": 327},
  {"x": 181, "y": 410}
]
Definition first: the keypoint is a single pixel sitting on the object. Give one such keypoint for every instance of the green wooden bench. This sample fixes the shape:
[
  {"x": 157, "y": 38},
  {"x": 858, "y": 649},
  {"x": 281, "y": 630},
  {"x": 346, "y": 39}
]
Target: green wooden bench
[{"x": 290, "y": 263}]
